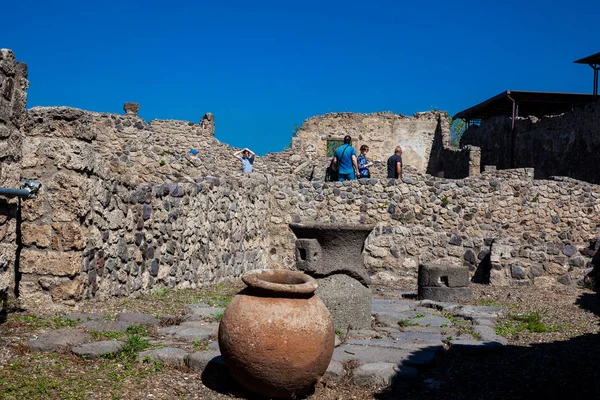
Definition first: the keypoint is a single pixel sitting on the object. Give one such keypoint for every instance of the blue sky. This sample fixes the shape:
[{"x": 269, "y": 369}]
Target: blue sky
[{"x": 261, "y": 67}]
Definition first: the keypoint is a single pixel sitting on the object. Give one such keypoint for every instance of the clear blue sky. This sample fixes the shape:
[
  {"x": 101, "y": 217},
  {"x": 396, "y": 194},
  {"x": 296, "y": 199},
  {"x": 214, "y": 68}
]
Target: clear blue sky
[{"x": 262, "y": 66}]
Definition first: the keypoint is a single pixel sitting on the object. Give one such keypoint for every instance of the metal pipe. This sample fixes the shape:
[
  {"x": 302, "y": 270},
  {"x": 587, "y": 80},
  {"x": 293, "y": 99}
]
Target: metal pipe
[{"x": 28, "y": 190}]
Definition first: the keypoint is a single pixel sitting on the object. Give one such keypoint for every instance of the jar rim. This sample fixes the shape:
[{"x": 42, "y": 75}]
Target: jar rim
[{"x": 281, "y": 281}]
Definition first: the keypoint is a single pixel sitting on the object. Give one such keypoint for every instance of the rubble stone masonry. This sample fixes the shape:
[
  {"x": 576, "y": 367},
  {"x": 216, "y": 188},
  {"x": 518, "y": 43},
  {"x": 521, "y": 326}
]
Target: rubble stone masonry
[
  {"x": 13, "y": 99},
  {"x": 125, "y": 208}
]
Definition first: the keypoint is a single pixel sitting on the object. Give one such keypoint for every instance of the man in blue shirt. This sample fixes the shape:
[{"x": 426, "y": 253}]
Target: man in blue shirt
[
  {"x": 344, "y": 158},
  {"x": 246, "y": 156}
]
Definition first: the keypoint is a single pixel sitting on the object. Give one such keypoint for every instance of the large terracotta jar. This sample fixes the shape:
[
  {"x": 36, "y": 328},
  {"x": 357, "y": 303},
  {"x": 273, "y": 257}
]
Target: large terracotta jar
[{"x": 276, "y": 336}]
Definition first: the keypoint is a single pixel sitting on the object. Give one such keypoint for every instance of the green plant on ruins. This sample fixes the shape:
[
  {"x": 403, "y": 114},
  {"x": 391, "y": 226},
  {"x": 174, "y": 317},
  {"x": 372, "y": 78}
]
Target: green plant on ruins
[
  {"x": 133, "y": 345},
  {"x": 140, "y": 330},
  {"x": 403, "y": 323},
  {"x": 531, "y": 322}
]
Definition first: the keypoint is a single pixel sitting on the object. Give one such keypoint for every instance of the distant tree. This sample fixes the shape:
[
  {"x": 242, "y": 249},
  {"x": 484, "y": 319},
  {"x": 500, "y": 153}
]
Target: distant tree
[{"x": 457, "y": 128}]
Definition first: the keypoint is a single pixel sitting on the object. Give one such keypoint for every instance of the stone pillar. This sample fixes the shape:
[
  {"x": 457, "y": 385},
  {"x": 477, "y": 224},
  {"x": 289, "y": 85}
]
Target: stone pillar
[
  {"x": 208, "y": 123},
  {"x": 441, "y": 283},
  {"x": 13, "y": 99},
  {"x": 332, "y": 254},
  {"x": 474, "y": 160},
  {"x": 131, "y": 109}
]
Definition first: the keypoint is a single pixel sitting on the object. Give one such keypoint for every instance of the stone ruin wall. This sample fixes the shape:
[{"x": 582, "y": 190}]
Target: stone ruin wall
[
  {"x": 424, "y": 138},
  {"x": 508, "y": 228},
  {"x": 562, "y": 145},
  {"x": 125, "y": 208},
  {"x": 13, "y": 99}
]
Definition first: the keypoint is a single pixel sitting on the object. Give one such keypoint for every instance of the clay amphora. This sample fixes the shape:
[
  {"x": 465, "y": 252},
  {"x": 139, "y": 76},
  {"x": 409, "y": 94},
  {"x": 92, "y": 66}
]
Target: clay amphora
[{"x": 276, "y": 336}]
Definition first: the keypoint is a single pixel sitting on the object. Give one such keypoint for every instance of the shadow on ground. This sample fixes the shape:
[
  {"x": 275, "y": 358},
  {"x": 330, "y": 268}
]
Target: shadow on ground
[{"x": 565, "y": 369}]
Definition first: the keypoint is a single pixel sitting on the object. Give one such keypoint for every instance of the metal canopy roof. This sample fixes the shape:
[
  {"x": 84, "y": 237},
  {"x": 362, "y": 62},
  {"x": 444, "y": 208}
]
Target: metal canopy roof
[
  {"x": 523, "y": 103},
  {"x": 593, "y": 59},
  {"x": 594, "y": 62}
]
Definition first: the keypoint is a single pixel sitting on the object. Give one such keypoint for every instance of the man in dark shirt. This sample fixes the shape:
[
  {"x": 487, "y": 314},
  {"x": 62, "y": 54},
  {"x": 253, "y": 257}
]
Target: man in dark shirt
[{"x": 394, "y": 164}]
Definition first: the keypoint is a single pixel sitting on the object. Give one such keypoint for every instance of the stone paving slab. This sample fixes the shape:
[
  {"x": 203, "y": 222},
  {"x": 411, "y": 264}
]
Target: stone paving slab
[
  {"x": 439, "y": 305},
  {"x": 431, "y": 321},
  {"x": 374, "y": 354},
  {"x": 487, "y": 334},
  {"x": 204, "y": 310},
  {"x": 446, "y": 331},
  {"x": 365, "y": 334},
  {"x": 399, "y": 344},
  {"x": 138, "y": 319},
  {"x": 167, "y": 355},
  {"x": 479, "y": 312},
  {"x": 423, "y": 337},
  {"x": 335, "y": 371},
  {"x": 186, "y": 333},
  {"x": 59, "y": 339},
  {"x": 383, "y": 306},
  {"x": 383, "y": 374},
  {"x": 199, "y": 360},
  {"x": 474, "y": 347},
  {"x": 98, "y": 349},
  {"x": 389, "y": 320},
  {"x": 481, "y": 321},
  {"x": 83, "y": 317},
  {"x": 106, "y": 326}
]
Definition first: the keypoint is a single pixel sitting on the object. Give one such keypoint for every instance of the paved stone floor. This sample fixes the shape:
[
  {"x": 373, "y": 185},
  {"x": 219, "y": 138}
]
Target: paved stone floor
[{"x": 405, "y": 336}]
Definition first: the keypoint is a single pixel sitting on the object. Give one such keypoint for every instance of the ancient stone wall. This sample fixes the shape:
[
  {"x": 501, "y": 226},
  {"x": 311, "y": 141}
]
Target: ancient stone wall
[
  {"x": 13, "y": 99},
  {"x": 563, "y": 145},
  {"x": 382, "y": 132},
  {"x": 426, "y": 218},
  {"x": 125, "y": 207}
]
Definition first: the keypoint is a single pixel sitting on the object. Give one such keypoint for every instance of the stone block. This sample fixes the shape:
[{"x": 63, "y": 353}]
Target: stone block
[
  {"x": 335, "y": 371},
  {"x": 199, "y": 360},
  {"x": 70, "y": 236},
  {"x": 50, "y": 263},
  {"x": 443, "y": 276},
  {"x": 59, "y": 339},
  {"x": 348, "y": 301},
  {"x": 137, "y": 318},
  {"x": 131, "y": 108},
  {"x": 36, "y": 235},
  {"x": 68, "y": 290},
  {"x": 98, "y": 349},
  {"x": 445, "y": 294},
  {"x": 167, "y": 355},
  {"x": 308, "y": 255}
]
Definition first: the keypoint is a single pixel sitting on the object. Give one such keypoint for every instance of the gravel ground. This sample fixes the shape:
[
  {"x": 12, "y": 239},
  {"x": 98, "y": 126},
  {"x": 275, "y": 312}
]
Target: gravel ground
[{"x": 560, "y": 363}]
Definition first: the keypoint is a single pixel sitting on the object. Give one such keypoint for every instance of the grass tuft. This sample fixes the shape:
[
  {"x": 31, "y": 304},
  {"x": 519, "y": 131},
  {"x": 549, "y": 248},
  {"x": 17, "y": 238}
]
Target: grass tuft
[{"x": 531, "y": 322}]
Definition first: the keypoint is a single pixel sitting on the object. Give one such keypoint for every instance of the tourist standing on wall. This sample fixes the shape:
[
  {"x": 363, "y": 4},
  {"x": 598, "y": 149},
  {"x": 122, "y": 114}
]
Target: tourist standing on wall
[
  {"x": 394, "y": 164},
  {"x": 246, "y": 156},
  {"x": 344, "y": 158},
  {"x": 363, "y": 163}
]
